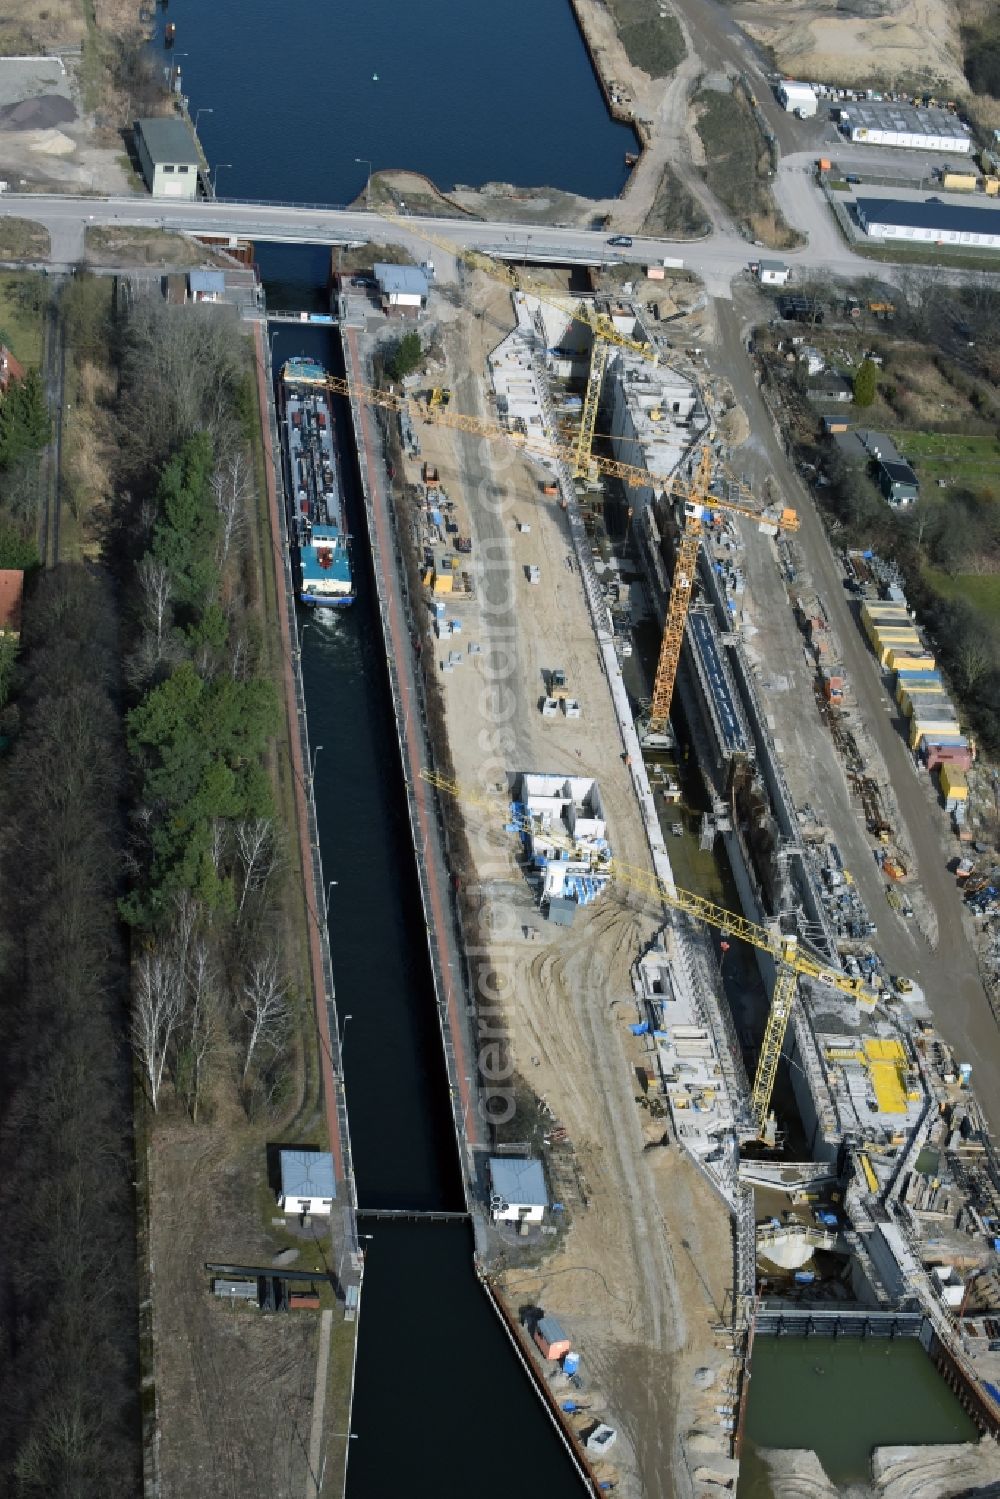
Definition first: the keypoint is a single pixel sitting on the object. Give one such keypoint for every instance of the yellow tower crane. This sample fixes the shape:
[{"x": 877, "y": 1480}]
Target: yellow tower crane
[
  {"x": 697, "y": 501},
  {"x": 698, "y": 505},
  {"x": 792, "y": 963},
  {"x": 606, "y": 335},
  {"x": 444, "y": 416}
]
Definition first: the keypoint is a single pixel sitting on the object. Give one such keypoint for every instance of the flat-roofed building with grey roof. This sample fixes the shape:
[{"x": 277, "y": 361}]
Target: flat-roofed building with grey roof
[
  {"x": 906, "y": 125},
  {"x": 930, "y": 222},
  {"x": 168, "y": 156}
]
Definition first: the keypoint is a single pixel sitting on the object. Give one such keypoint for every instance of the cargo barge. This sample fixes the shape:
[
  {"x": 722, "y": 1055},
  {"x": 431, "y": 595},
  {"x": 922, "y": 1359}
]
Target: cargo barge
[{"x": 317, "y": 528}]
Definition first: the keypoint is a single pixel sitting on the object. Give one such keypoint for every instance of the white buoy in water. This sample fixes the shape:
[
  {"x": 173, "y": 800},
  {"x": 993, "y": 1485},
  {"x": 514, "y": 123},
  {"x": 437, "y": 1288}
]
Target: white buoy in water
[{"x": 374, "y": 78}]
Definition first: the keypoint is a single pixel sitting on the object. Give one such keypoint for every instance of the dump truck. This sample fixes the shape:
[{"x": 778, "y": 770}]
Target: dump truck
[
  {"x": 431, "y": 477},
  {"x": 558, "y": 687}
]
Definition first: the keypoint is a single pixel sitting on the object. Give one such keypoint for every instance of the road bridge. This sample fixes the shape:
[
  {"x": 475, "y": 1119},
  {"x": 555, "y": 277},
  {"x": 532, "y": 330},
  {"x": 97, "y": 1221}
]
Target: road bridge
[{"x": 716, "y": 259}]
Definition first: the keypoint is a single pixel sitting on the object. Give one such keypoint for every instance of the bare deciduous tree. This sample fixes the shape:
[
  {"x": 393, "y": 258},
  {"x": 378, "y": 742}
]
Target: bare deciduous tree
[
  {"x": 200, "y": 1019},
  {"x": 156, "y": 591},
  {"x": 258, "y": 854},
  {"x": 157, "y": 1006},
  {"x": 231, "y": 489},
  {"x": 263, "y": 1003}
]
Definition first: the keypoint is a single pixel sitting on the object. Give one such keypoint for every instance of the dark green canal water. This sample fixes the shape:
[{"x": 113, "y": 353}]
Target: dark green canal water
[{"x": 842, "y": 1398}]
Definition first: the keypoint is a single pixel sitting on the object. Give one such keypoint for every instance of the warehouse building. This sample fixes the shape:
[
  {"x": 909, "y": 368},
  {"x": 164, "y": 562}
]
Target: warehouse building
[
  {"x": 168, "y": 157},
  {"x": 930, "y": 222},
  {"x": 905, "y": 125}
]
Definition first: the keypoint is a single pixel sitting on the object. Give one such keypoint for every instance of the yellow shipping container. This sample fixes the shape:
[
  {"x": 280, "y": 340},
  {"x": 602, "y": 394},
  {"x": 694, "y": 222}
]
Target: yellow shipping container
[
  {"x": 910, "y": 696},
  {"x": 885, "y": 614},
  {"x": 992, "y": 186},
  {"x": 907, "y": 684},
  {"x": 953, "y": 783},
  {"x": 959, "y": 182},
  {"x": 878, "y": 608},
  {"x": 920, "y": 727},
  {"x": 892, "y": 635},
  {"x": 885, "y": 629},
  {"x": 901, "y": 661},
  {"x": 906, "y": 641},
  {"x": 898, "y": 622}
]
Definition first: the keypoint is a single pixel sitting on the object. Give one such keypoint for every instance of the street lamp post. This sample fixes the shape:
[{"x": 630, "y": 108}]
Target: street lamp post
[
  {"x": 205, "y": 109},
  {"x": 329, "y": 892},
  {"x": 315, "y": 757},
  {"x": 215, "y": 175},
  {"x": 343, "y": 1033},
  {"x": 363, "y": 161}
]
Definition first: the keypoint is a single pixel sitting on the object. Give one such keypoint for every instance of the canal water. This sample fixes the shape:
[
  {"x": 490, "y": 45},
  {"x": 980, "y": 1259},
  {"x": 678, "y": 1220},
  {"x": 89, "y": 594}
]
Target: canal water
[
  {"x": 465, "y": 91},
  {"x": 439, "y": 1391},
  {"x": 842, "y": 1398}
]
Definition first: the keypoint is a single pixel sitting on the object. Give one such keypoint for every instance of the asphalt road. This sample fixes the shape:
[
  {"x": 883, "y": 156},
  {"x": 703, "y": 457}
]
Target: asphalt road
[{"x": 947, "y": 972}]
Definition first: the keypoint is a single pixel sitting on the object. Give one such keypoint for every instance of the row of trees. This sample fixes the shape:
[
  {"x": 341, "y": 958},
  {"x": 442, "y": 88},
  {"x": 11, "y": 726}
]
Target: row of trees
[
  {"x": 25, "y": 429},
  {"x": 68, "y": 1381},
  {"x": 212, "y": 1001}
]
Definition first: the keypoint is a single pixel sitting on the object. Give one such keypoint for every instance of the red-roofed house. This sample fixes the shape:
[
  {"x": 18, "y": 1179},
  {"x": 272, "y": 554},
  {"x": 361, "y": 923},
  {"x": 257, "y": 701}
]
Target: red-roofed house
[
  {"x": 10, "y": 369},
  {"x": 11, "y": 595}
]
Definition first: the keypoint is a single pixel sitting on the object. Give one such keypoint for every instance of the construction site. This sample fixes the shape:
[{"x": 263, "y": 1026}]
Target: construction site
[{"x": 641, "y": 691}]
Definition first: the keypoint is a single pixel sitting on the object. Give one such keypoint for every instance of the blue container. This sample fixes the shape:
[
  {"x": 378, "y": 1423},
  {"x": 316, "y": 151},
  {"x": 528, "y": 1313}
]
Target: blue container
[{"x": 571, "y": 1362}]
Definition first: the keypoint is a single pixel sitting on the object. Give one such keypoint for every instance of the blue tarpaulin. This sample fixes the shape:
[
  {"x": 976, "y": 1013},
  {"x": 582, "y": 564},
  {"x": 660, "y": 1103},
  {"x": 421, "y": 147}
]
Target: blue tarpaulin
[{"x": 640, "y": 1029}]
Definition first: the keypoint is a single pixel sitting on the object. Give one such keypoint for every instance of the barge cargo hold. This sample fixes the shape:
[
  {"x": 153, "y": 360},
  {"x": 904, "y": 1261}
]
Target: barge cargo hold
[{"x": 317, "y": 530}]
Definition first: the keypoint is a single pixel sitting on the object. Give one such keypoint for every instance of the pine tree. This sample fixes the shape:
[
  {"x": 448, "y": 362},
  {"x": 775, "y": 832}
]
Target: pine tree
[{"x": 865, "y": 383}]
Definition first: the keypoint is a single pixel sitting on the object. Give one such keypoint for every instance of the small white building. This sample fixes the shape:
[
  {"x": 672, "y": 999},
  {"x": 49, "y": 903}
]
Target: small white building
[
  {"x": 772, "y": 272},
  {"x": 798, "y": 98},
  {"x": 517, "y": 1189},
  {"x": 403, "y": 288},
  {"x": 307, "y": 1182},
  {"x": 168, "y": 157}
]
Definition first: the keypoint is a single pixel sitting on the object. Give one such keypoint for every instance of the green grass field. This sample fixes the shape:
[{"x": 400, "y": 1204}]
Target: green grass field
[
  {"x": 981, "y": 590},
  {"x": 20, "y": 321},
  {"x": 971, "y": 461},
  {"x": 949, "y": 444}
]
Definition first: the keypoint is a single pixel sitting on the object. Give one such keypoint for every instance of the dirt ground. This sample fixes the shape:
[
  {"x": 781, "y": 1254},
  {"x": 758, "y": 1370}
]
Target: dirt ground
[
  {"x": 49, "y": 140},
  {"x": 625, "y": 1278},
  {"x": 150, "y": 247},
  {"x": 234, "y": 1386},
  {"x": 20, "y": 239},
  {"x": 896, "y": 40}
]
